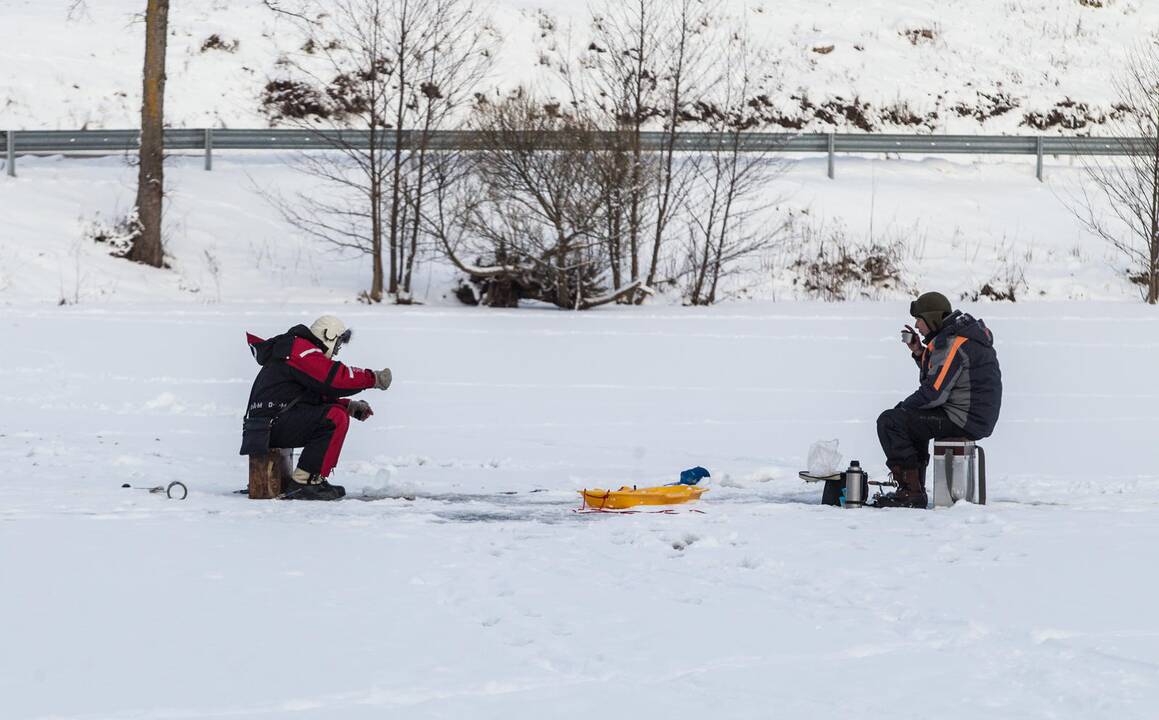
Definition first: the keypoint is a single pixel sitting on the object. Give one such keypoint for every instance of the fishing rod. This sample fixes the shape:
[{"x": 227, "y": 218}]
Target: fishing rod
[{"x": 170, "y": 490}]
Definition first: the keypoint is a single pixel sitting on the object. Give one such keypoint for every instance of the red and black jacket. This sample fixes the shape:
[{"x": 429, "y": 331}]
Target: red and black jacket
[{"x": 294, "y": 365}]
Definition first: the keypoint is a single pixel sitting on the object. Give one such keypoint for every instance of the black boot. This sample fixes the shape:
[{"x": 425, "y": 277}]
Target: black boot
[
  {"x": 315, "y": 488},
  {"x": 910, "y": 493}
]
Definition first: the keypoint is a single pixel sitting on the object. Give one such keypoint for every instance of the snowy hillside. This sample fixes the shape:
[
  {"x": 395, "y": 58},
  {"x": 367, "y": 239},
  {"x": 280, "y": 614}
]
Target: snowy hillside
[
  {"x": 922, "y": 65},
  {"x": 962, "y": 224},
  {"x": 955, "y": 225}
]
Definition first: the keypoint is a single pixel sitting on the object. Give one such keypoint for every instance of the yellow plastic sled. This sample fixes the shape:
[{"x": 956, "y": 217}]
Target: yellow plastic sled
[{"x": 626, "y": 497}]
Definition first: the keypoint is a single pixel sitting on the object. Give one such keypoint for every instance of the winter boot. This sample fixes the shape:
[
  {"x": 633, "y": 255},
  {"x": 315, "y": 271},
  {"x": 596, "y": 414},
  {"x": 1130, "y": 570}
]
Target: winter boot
[
  {"x": 911, "y": 490},
  {"x": 304, "y": 486}
]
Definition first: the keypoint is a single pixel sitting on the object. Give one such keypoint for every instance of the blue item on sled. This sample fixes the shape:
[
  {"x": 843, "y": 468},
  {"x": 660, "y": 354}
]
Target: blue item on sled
[{"x": 691, "y": 476}]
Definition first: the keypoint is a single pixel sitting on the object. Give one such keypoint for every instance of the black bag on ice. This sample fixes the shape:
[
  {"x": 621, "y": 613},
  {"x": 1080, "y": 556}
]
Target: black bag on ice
[
  {"x": 255, "y": 431},
  {"x": 255, "y": 435}
]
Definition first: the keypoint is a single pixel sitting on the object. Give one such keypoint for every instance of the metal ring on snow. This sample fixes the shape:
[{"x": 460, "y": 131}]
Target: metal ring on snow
[{"x": 177, "y": 483}]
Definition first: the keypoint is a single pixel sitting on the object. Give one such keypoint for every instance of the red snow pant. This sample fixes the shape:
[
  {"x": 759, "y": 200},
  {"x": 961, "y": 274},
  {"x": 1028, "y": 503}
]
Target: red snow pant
[{"x": 319, "y": 430}]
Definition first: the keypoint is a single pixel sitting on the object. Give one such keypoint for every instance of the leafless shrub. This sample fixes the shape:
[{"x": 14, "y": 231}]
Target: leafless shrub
[
  {"x": 1129, "y": 188},
  {"x": 832, "y": 267},
  {"x": 520, "y": 215},
  {"x": 646, "y": 61},
  {"x": 729, "y": 188},
  {"x": 1067, "y": 114},
  {"x": 285, "y": 99},
  {"x": 397, "y": 70},
  {"x": 836, "y": 110},
  {"x": 1005, "y": 286},
  {"x": 213, "y": 265},
  {"x": 215, "y": 42},
  {"x": 919, "y": 35},
  {"x": 117, "y": 235},
  {"x": 619, "y": 78},
  {"x": 988, "y": 105},
  {"x": 902, "y": 114}
]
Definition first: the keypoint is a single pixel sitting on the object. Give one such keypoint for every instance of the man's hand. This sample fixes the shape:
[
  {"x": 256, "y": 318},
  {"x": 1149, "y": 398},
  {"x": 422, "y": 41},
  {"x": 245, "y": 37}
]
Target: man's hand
[
  {"x": 915, "y": 340},
  {"x": 359, "y": 410},
  {"x": 382, "y": 379}
]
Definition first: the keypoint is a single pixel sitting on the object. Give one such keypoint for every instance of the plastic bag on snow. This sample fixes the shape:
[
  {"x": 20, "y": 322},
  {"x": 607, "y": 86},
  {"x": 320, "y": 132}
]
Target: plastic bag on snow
[{"x": 824, "y": 458}]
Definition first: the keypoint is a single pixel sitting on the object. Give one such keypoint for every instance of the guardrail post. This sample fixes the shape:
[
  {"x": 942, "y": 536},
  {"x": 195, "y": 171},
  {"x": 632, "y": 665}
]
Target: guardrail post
[
  {"x": 11, "y": 152},
  {"x": 1038, "y": 171},
  {"x": 832, "y": 144},
  {"x": 208, "y": 148}
]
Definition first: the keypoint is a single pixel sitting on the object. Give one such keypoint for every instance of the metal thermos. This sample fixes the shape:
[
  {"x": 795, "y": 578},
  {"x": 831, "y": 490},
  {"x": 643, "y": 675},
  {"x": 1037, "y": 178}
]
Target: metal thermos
[{"x": 855, "y": 483}]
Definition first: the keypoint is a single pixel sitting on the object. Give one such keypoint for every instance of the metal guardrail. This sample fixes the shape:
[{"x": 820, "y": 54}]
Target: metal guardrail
[{"x": 98, "y": 142}]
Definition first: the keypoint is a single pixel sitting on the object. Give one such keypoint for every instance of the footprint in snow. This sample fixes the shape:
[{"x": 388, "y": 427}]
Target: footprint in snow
[{"x": 684, "y": 541}]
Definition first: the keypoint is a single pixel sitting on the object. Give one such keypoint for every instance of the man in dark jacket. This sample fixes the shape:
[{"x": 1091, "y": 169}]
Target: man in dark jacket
[
  {"x": 960, "y": 394},
  {"x": 300, "y": 398}
]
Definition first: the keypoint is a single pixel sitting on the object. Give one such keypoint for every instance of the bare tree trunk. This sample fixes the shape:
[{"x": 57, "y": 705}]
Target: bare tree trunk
[
  {"x": 401, "y": 59},
  {"x": 645, "y": 16},
  {"x": 645, "y": 12},
  {"x": 372, "y": 52},
  {"x": 636, "y": 202},
  {"x": 150, "y": 177},
  {"x": 1153, "y": 244},
  {"x": 375, "y": 198},
  {"x": 430, "y": 91},
  {"x": 701, "y": 263},
  {"x": 665, "y": 204},
  {"x": 416, "y": 223},
  {"x": 615, "y": 228},
  {"x": 730, "y": 196}
]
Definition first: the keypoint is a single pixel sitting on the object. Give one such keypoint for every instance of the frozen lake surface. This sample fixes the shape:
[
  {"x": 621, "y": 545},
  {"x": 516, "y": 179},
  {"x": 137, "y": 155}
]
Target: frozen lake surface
[{"x": 488, "y": 597}]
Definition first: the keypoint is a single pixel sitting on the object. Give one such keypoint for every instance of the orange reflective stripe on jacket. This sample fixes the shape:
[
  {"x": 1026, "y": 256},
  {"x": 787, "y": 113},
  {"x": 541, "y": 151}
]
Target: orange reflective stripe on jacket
[{"x": 958, "y": 342}]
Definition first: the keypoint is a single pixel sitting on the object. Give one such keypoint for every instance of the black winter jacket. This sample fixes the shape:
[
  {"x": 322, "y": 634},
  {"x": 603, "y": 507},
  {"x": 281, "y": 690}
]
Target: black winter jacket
[{"x": 960, "y": 373}]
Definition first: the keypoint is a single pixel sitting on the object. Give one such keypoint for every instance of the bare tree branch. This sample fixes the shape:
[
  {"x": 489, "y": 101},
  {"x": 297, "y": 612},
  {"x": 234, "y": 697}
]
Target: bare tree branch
[
  {"x": 399, "y": 70},
  {"x": 1129, "y": 189}
]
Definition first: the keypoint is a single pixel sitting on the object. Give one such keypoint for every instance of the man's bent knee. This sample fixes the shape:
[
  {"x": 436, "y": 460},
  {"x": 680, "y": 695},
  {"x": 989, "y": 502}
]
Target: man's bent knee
[
  {"x": 338, "y": 415},
  {"x": 891, "y": 418}
]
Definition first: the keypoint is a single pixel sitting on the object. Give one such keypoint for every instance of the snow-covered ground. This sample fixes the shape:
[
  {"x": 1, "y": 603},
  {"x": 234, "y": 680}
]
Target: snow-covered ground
[
  {"x": 473, "y": 602},
  {"x": 957, "y": 224},
  {"x": 486, "y": 596},
  {"x": 925, "y": 58}
]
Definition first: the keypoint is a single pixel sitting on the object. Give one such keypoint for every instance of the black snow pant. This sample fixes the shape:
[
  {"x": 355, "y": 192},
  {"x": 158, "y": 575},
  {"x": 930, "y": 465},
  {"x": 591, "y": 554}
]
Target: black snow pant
[
  {"x": 905, "y": 435},
  {"x": 318, "y": 429}
]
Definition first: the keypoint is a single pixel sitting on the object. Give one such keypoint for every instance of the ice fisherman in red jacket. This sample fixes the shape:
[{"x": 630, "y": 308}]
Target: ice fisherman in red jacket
[{"x": 300, "y": 399}]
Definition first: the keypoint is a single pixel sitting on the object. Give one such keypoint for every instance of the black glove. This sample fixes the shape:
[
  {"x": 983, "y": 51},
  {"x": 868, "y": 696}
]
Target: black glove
[
  {"x": 382, "y": 379},
  {"x": 359, "y": 409}
]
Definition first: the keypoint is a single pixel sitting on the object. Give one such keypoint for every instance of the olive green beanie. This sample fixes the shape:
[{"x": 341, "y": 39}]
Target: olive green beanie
[{"x": 933, "y": 307}]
